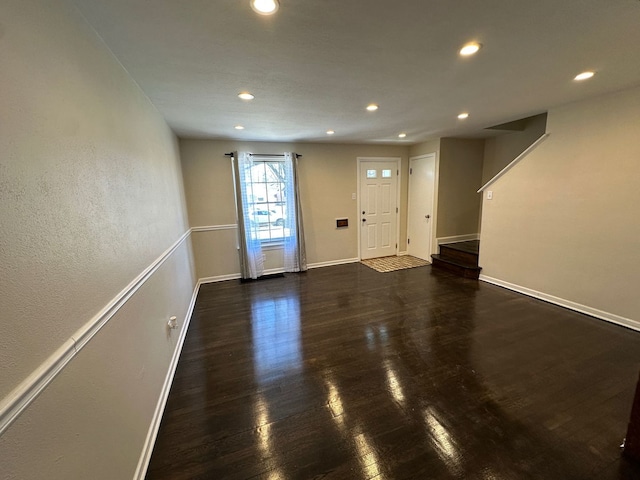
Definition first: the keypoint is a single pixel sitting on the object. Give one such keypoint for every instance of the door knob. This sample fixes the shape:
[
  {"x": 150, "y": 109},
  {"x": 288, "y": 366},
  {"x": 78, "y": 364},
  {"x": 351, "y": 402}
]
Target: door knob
[
  {"x": 427, "y": 217},
  {"x": 364, "y": 219}
]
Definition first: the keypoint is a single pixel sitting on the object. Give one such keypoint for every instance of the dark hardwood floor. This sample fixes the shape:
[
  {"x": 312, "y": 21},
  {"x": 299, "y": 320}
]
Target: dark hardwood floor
[{"x": 346, "y": 373}]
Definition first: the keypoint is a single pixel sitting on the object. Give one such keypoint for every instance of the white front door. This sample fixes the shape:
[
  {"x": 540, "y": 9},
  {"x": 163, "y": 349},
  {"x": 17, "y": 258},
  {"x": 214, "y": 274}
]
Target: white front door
[
  {"x": 378, "y": 208},
  {"x": 421, "y": 215}
]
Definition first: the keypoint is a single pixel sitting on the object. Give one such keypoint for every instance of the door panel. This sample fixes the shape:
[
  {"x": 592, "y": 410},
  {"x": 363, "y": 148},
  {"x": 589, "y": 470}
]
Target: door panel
[
  {"x": 385, "y": 192},
  {"x": 386, "y": 235},
  {"x": 371, "y": 236},
  {"x": 372, "y": 199}
]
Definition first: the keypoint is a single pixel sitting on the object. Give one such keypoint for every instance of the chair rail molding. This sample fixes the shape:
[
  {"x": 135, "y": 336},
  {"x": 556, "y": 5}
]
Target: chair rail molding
[{"x": 28, "y": 390}]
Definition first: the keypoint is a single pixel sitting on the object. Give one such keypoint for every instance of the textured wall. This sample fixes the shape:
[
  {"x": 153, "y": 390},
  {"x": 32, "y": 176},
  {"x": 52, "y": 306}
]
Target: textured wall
[
  {"x": 501, "y": 150},
  {"x": 328, "y": 177},
  {"x": 563, "y": 221},
  {"x": 90, "y": 195},
  {"x": 460, "y": 176}
]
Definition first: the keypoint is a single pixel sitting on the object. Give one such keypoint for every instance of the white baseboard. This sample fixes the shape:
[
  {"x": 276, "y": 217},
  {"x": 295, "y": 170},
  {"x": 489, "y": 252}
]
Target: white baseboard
[
  {"x": 332, "y": 263},
  {"x": 458, "y": 238},
  {"x": 273, "y": 271},
  {"x": 593, "y": 312},
  {"x": 219, "y": 278},
  {"x": 402, "y": 254},
  {"x": 152, "y": 434}
]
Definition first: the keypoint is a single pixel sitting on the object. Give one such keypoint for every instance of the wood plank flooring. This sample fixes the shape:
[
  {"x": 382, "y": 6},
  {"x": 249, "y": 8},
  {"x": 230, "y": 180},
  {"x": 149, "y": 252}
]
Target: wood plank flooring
[{"x": 346, "y": 373}]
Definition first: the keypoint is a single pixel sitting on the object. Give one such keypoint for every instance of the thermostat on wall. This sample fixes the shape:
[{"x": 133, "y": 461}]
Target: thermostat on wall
[{"x": 342, "y": 222}]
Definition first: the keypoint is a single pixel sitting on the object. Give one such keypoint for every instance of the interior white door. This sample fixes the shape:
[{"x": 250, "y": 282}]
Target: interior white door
[
  {"x": 379, "y": 213},
  {"x": 420, "y": 213}
]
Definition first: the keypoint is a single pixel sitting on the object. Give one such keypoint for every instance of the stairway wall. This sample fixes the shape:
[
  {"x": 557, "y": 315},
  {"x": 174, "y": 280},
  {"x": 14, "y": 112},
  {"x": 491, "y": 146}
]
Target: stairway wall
[{"x": 563, "y": 222}]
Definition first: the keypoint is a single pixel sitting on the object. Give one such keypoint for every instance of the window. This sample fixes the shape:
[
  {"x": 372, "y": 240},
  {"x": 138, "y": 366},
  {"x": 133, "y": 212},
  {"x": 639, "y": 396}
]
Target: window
[
  {"x": 268, "y": 209},
  {"x": 267, "y": 200}
]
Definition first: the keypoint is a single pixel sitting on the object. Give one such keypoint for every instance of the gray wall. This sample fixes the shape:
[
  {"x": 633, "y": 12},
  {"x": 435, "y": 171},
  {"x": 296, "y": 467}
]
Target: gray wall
[
  {"x": 90, "y": 196},
  {"x": 563, "y": 220},
  {"x": 328, "y": 178},
  {"x": 460, "y": 176},
  {"x": 501, "y": 150}
]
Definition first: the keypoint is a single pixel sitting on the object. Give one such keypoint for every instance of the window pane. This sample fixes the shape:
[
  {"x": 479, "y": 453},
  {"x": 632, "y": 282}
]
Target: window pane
[
  {"x": 372, "y": 174},
  {"x": 267, "y": 208},
  {"x": 386, "y": 173}
]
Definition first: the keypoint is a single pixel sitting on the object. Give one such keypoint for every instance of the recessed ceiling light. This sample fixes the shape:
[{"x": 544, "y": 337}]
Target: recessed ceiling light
[
  {"x": 402, "y": 135},
  {"x": 464, "y": 115},
  {"x": 372, "y": 108},
  {"x": 470, "y": 49},
  {"x": 265, "y": 7},
  {"x": 239, "y": 127},
  {"x": 330, "y": 132},
  {"x": 246, "y": 96},
  {"x": 584, "y": 76}
]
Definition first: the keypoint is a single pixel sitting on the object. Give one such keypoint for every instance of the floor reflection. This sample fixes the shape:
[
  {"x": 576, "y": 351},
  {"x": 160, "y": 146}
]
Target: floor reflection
[
  {"x": 441, "y": 439},
  {"x": 334, "y": 402},
  {"x": 367, "y": 457},
  {"x": 275, "y": 324},
  {"x": 393, "y": 383}
]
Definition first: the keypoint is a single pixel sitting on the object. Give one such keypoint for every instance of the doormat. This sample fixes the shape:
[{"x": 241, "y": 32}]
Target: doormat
[{"x": 391, "y": 264}]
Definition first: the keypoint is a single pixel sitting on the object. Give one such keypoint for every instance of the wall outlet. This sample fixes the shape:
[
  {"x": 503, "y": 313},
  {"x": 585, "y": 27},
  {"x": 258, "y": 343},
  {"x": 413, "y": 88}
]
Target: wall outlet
[{"x": 489, "y": 195}]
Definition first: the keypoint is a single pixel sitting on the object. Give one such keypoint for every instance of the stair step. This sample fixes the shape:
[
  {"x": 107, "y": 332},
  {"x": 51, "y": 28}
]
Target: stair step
[{"x": 462, "y": 268}]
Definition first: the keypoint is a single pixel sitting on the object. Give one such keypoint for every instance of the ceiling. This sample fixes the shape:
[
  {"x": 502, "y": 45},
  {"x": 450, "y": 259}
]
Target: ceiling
[{"x": 316, "y": 64}]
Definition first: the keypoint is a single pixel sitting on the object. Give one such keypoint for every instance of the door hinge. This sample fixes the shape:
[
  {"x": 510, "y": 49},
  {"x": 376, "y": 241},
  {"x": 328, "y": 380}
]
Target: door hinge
[
  {"x": 396, "y": 246},
  {"x": 397, "y": 172},
  {"x": 396, "y": 209},
  {"x": 411, "y": 171},
  {"x": 408, "y": 241}
]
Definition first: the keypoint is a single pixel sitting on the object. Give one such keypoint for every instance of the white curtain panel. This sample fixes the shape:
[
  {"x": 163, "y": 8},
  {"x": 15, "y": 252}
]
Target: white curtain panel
[{"x": 251, "y": 261}]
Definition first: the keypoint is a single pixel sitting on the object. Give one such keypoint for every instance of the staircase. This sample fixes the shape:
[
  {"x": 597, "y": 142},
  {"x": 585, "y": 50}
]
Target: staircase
[{"x": 460, "y": 258}]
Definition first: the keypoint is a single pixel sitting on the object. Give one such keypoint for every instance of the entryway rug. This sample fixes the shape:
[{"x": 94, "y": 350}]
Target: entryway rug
[{"x": 391, "y": 264}]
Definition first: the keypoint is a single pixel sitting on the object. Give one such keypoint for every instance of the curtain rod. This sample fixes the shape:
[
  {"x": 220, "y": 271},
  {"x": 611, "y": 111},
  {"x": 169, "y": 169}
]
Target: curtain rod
[{"x": 264, "y": 155}]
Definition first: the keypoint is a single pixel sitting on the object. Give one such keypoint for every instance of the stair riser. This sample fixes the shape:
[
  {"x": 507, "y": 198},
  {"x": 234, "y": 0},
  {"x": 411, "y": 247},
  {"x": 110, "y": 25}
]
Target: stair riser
[
  {"x": 458, "y": 270},
  {"x": 453, "y": 254}
]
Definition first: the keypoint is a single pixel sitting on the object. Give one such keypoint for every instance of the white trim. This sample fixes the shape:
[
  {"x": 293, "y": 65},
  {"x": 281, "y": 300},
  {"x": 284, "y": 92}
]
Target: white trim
[
  {"x": 402, "y": 254},
  {"x": 332, "y": 263},
  {"x": 213, "y": 228},
  {"x": 458, "y": 238},
  {"x": 237, "y": 276},
  {"x": 28, "y": 390},
  {"x": 593, "y": 312},
  {"x": 528, "y": 150},
  {"x": 220, "y": 278},
  {"x": 152, "y": 434},
  {"x": 398, "y": 161}
]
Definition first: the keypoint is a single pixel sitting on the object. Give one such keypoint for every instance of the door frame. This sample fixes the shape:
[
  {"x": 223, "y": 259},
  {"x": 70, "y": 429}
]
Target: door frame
[
  {"x": 398, "y": 162},
  {"x": 434, "y": 216}
]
